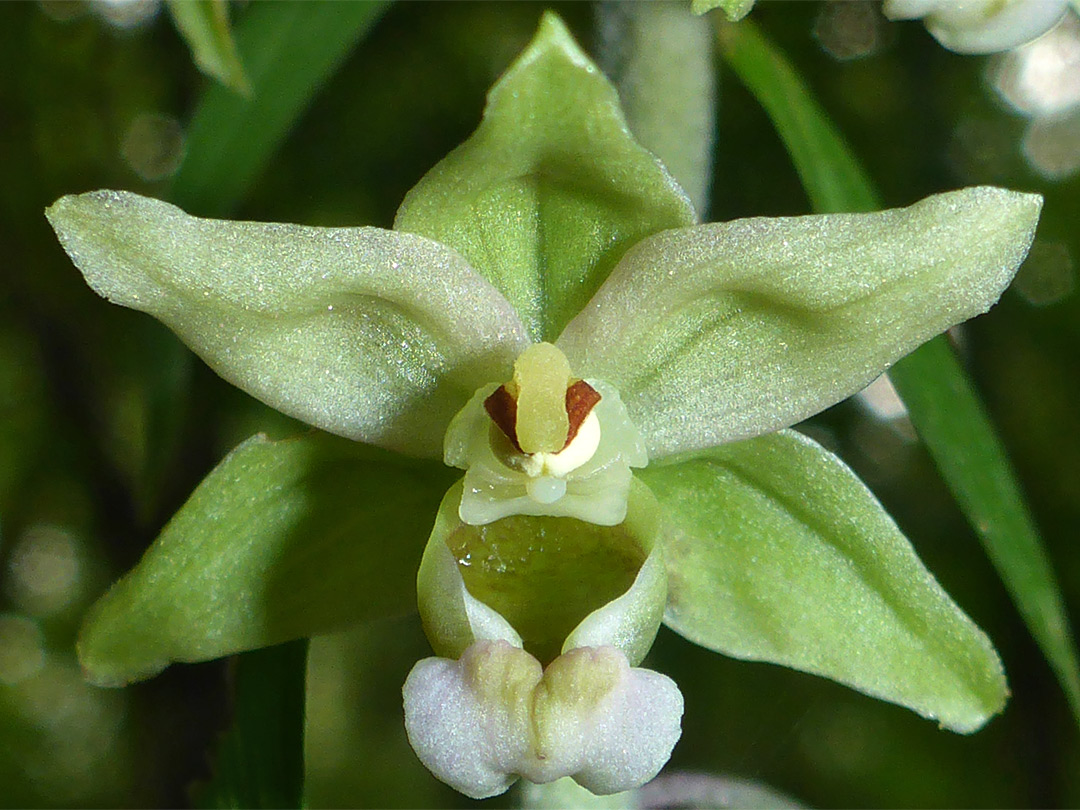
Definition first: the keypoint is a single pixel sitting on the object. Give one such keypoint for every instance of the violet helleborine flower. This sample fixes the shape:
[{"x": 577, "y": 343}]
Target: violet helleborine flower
[{"x": 617, "y": 383}]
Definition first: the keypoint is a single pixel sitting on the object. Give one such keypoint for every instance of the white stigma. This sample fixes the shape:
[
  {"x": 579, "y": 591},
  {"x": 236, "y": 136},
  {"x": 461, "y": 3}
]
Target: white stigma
[{"x": 559, "y": 465}]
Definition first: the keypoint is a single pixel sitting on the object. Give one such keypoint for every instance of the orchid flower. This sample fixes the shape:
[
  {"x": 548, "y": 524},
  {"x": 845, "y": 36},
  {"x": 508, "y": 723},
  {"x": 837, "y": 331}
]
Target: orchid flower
[
  {"x": 617, "y": 382},
  {"x": 981, "y": 26}
]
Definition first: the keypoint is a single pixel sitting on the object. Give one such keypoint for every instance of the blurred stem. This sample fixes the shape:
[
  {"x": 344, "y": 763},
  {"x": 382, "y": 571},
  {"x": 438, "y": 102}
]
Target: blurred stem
[
  {"x": 260, "y": 760},
  {"x": 941, "y": 400},
  {"x": 660, "y": 57}
]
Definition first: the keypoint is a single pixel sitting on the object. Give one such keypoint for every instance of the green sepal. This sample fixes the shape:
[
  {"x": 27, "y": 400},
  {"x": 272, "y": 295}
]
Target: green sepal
[
  {"x": 284, "y": 539},
  {"x": 726, "y": 331},
  {"x": 374, "y": 335},
  {"x": 551, "y": 189},
  {"x": 777, "y": 552},
  {"x": 204, "y": 25},
  {"x": 941, "y": 399}
]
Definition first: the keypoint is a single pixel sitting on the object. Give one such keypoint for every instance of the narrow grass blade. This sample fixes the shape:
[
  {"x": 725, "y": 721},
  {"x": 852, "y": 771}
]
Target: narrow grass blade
[
  {"x": 260, "y": 758},
  {"x": 288, "y": 49}
]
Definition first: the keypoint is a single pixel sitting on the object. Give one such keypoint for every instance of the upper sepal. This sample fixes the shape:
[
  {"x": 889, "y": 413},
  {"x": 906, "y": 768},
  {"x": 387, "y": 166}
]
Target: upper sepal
[{"x": 551, "y": 189}]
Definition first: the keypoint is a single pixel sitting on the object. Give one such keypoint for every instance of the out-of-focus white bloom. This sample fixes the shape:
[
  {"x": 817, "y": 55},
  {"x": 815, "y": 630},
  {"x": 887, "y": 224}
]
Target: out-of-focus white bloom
[
  {"x": 1041, "y": 81},
  {"x": 981, "y": 26},
  {"x": 1042, "y": 78}
]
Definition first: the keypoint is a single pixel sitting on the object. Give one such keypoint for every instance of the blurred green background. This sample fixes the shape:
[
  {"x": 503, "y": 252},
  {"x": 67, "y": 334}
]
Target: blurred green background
[{"x": 107, "y": 422}]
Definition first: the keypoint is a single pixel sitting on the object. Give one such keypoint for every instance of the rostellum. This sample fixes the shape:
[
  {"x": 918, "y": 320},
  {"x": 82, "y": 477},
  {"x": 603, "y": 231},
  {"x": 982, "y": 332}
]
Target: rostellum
[{"x": 616, "y": 381}]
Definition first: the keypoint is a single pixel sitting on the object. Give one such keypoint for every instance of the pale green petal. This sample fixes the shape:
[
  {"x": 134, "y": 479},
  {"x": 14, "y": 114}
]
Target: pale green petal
[
  {"x": 722, "y": 332},
  {"x": 282, "y": 540},
  {"x": 375, "y": 335},
  {"x": 777, "y": 552},
  {"x": 551, "y": 189}
]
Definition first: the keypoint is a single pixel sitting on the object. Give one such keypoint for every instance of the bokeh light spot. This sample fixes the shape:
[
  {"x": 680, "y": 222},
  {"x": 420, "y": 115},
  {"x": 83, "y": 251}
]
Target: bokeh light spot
[
  {"x": 1047, "y": 275},
  {"x": 22, "y": 654},
  {"x": 80, "y": 727},
  {"x": 849, "y": 29},
  {"x": 44, "y": 570},
  {"x": 153, "y": 146},
  {"x": 881, "y": 400},
  {"x": 1042, "y": 77},
  {"x": 1051, "y": 146},
  {"x": 126, "y": 14}
]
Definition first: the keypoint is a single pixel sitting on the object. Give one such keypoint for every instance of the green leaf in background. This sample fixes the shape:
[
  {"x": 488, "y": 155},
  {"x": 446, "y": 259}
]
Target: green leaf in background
[
  {"x": 204, "y": 25},
  {"x": 942, "y": 403},
  {"x": 24, "y": 413},
  {"x": 282, "y": 540},
  {"x": 729, "y": 330},
  {"x": 376, "y": 335},
  {"x": 260, "y": 758},
  {"x": 551, "y": 189},
  {"x": 289, "y": 49},
  {"x": 777, "y": 552}
]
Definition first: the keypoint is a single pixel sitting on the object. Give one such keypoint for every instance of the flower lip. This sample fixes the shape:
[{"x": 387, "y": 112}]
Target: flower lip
[
  {"x": 480, "y": 722},
  {"x": 546, "y": 584}
]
